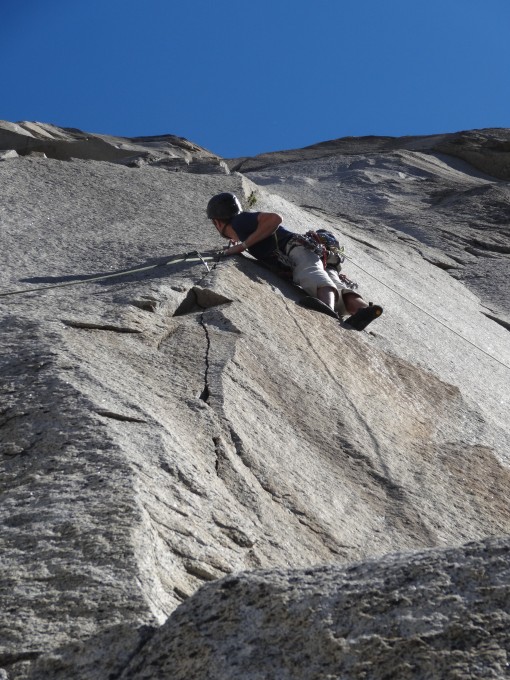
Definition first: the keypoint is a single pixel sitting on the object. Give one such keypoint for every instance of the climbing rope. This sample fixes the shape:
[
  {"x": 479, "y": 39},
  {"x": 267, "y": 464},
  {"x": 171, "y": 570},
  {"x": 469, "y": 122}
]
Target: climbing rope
[
  {"x": 184, "y": 258},
  {"x": 204, "y": 259},
  {"x": 452, "y": 330}
]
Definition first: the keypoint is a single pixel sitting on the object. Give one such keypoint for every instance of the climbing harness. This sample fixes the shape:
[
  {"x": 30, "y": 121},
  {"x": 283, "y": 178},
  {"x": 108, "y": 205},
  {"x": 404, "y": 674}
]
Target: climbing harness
[
  {"x": 193, "y": 256},
  {"x": 323, "y": 243},
  {"x": 326, "y": 246}
]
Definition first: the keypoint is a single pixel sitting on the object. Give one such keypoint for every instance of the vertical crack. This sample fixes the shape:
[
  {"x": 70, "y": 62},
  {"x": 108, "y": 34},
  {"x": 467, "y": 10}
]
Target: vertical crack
[
  {"x": 206, "y": 393},
  {"x": 145, "y": 633},
  {"x": 218, "y": 451}
]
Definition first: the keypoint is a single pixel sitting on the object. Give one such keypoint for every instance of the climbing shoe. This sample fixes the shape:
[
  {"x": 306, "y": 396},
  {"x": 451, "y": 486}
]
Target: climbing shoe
[
  {"x": 317, "y": 305},
  {"x": 364, "y": 316}
]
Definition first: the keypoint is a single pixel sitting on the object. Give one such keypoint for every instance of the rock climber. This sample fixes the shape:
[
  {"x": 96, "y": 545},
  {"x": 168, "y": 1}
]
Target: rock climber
[{"x": 314, "y": 258}]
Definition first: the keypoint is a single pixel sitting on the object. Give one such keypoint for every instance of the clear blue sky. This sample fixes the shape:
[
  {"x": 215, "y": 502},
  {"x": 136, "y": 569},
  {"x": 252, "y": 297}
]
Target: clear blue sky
[{"x": 242, "y": 78}]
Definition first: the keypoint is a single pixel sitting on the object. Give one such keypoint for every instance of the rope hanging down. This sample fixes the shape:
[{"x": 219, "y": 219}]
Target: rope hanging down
[
  {"x": 429, "y": 315},
  {"x": 184, "y": 258}
]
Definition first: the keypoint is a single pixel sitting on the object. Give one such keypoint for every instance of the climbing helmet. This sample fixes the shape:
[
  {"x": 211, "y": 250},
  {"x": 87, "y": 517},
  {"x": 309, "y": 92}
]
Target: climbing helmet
[{"x": 223, "y": 207}]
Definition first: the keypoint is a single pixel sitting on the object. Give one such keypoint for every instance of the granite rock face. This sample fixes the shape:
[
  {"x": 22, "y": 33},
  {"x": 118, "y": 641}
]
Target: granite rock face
[
  {"x": 181, "y": 424},
  {"x": 487, "y": 150},
  {"x": 420, "y": 190},
  {"x": 167, "y": 151},
  {"x": 438, "y": 614}
]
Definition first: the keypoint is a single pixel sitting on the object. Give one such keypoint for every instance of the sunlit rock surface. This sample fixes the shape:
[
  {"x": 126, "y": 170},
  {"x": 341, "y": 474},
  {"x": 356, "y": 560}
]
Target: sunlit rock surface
[
  {"x": 439, "y": 614},
  {"x": 171, "y": 427}
]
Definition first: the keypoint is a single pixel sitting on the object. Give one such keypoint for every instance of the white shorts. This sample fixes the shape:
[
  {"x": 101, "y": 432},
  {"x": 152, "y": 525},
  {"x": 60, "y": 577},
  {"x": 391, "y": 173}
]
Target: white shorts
[{"x": 309, "y": 273}]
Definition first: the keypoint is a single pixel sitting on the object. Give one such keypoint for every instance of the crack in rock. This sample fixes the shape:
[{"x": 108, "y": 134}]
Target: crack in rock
[
  {"x": 183, "y": 479},
  {"x": 206, "y": 392},
  {"x": 218, "y": 449},
  {"x": 235, "y": 534},
  {"x": 120, "y": 416},
  {"x": 202, "y": 571},
  {"x": 96, "y": 326},
  {"x": 146, "y": 634},
  {"x": 199, "y": 300}
]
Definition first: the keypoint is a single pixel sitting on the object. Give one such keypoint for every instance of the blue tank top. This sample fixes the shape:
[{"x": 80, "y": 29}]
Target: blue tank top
[{"x": 266, "y": 250}]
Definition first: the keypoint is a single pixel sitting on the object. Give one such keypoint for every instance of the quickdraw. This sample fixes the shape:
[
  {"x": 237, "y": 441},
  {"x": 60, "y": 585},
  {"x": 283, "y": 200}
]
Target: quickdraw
[{"x": 347, "y": 282}]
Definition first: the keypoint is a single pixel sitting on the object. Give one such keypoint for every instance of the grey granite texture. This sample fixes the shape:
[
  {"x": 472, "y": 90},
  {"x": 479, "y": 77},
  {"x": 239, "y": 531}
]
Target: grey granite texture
[
  {"x": 422, "y": 190},
  {"x": 175, "y": 426},
  {"x": 437, "y": 614}
]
